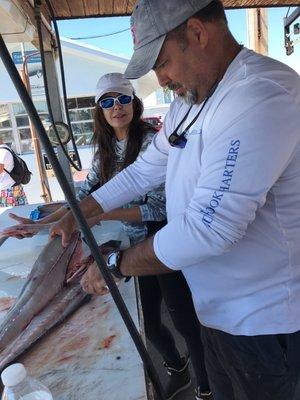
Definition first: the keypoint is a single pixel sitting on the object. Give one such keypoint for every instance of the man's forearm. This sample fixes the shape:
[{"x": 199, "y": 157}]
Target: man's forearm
[
  {"x": 132, "y": 214},
  {"x": 141, "y": 260},
  {"x": 90, "y": 209}
]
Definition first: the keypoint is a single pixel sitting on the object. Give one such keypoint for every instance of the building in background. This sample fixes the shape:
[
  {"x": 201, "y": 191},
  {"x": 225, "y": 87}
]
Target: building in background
[{"x": 84, "y": 64}]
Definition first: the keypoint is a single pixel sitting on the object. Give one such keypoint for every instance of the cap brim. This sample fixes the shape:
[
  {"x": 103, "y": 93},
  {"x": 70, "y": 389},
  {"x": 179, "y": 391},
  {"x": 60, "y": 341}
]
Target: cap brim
[
  {"x": 117, "y": 89},
  {"x": 144, "y": 58}
]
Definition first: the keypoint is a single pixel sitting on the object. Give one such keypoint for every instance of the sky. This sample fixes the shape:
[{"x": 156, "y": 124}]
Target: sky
[{"x": 122, "y": 42}]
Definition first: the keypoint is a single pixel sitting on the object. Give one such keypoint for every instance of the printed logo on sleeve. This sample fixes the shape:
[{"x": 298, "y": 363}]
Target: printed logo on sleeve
[{"x": 210, "y": 210}]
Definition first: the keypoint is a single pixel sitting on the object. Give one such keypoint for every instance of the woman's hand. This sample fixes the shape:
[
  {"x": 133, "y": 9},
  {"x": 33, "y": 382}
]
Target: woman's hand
[
  {"x": 26, "y": 227},
  {"x": 19, "y": 231},
  {"x": 21, "y": 220},
  {"x": 22, "y": 231}
]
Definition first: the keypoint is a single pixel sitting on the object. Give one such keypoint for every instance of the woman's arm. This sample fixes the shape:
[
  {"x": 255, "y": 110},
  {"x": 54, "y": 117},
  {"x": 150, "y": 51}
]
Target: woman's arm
[
  {"x": 92, "y": 180},
  {"x": 132, "y": 214},
  {"x": 27, "y": 227},
  {"x": 53, "y": 217}
]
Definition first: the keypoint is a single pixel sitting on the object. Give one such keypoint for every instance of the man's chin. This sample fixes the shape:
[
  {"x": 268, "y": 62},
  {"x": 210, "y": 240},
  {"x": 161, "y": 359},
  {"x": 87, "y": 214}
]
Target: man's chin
[{"x": 190, "y": 97}]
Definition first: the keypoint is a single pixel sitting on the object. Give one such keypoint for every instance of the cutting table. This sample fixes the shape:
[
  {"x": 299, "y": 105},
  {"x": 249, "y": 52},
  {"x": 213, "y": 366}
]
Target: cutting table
[{"x": 91, "y": 356}]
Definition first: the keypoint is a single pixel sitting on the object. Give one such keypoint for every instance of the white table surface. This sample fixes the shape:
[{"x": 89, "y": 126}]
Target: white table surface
[{"x": 91, "y": 356}]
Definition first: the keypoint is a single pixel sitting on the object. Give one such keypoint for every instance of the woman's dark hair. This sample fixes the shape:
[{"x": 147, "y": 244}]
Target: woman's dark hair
[{"x": 104, "y": 139}]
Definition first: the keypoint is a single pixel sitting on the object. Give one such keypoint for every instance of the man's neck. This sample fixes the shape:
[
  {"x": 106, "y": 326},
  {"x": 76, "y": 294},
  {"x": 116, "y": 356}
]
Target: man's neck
[{"x": 230, "y": 50}]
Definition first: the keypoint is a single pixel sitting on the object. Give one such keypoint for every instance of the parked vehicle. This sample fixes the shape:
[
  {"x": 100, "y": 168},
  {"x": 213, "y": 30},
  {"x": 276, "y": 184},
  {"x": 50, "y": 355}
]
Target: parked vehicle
[{"x": 155, "y": 121}]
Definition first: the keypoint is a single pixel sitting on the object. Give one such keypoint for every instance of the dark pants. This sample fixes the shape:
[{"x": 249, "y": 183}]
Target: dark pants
[
  {"x": 265, "y": 367},
  {"x": 176, "y": 294}
]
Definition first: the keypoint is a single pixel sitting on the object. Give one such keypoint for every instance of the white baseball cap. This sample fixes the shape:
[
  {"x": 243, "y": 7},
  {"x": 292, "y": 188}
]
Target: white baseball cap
[{"x": 113, "y": 82}]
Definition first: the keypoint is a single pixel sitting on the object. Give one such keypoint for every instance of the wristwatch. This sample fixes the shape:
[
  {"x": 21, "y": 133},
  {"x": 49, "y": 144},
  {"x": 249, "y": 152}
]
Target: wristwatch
[{"x": 113, "y": 263}]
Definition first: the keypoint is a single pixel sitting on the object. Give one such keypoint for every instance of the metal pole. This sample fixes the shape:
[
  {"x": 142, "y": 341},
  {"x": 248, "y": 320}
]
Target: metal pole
[
  {"x": 56, "y": 106},
  {"x": 45, "y": 188},
  {"x": 28, "y": 104}
]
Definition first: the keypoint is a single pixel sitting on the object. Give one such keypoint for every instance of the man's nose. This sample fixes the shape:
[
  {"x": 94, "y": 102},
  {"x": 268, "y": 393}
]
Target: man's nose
[{"x": 162, "y": 78}]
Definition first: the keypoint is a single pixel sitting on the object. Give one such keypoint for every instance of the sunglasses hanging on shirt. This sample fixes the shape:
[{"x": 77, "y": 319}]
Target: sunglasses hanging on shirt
[{"x": 179, "y": 141}]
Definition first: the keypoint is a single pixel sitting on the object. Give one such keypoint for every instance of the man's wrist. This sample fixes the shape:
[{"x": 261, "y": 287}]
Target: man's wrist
[
  {"x": 127, "y": 277},
  {"x": 113, "y": 263}
]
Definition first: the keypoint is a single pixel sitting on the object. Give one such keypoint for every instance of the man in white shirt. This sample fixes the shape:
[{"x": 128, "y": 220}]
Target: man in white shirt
[
  {"x": 10, "y": 194},
  {"x": 231, "y": 163}
]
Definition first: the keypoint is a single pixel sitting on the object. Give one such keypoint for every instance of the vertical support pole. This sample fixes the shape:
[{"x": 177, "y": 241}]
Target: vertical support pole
[
  {"x": 57, "y": 109},
  {"x": 14, "y": 127},
  {"x": 45, "y": 188},
  {"x": 257, "y": 19}
]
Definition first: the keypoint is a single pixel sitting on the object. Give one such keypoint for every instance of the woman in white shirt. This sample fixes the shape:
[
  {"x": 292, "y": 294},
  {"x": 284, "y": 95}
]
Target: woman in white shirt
[{"x": 10, "y": 193}]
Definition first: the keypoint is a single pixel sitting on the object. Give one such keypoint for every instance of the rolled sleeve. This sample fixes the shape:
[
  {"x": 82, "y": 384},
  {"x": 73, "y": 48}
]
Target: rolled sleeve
[
  {"x": 144, "y": 209},
  {"x": 155, "y": 207}
]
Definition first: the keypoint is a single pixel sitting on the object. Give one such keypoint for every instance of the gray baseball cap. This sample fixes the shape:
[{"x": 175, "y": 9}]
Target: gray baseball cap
[{"x": 150, "y": 22}]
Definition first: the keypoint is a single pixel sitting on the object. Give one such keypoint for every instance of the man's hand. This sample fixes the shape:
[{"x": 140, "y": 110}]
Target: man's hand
[
  {"x": 65, "y": 227},
  {"x": 67, "y": 224},
  {"x": 92, "y": 281}
]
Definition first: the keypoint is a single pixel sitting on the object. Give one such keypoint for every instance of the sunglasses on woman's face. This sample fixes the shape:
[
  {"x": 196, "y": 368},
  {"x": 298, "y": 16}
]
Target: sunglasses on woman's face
[{"x": 110, "y": 102}]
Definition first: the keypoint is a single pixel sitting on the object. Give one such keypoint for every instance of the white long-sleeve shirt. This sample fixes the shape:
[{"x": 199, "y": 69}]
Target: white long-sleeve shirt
[{"x": 233, "y": 198}]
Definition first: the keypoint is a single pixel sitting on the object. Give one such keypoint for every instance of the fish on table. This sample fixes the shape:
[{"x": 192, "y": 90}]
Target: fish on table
[
  {"x": 3, "y": 239},
  {"x": 51, "y": 293}
]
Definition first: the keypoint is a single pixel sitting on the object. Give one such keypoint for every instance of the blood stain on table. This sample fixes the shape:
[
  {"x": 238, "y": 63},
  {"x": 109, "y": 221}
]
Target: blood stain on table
[
  {"x": 64, "y": 359},
  {"x": 104, "y": 311},
  {"x": 107, "y": 342},
  {"x": 76, "y": 344}
]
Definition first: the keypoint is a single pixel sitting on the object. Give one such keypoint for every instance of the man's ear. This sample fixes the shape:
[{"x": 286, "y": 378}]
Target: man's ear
[{"x": 197, "y": 32}]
